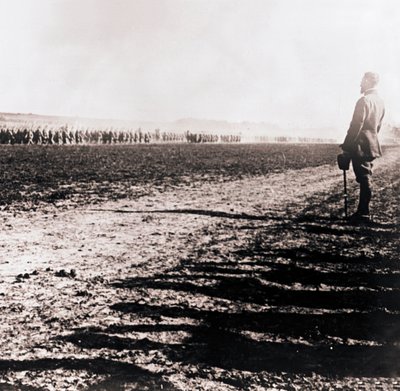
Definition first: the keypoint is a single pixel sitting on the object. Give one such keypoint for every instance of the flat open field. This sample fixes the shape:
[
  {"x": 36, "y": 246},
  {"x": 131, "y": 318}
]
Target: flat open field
[
  {"x": 34, "y": 174},
  {"x": 195, "y": 267}
]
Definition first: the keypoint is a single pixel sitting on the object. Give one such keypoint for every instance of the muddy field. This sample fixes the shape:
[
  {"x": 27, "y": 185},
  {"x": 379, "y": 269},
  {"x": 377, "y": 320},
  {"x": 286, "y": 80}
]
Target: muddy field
[{"x": 195, "y": 267}]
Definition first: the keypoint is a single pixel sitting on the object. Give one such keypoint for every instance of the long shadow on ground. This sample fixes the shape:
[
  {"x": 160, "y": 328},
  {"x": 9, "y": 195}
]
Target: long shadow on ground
[
  {"x": 119, "y": 374},
  {"x": 217, "y": 342},
  {"x": 325, "y": 314},
  {"x": 302, "y": 310}
]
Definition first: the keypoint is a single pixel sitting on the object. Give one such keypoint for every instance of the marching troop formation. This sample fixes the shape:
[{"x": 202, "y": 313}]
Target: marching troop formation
[{"x": 63, "y": 135}]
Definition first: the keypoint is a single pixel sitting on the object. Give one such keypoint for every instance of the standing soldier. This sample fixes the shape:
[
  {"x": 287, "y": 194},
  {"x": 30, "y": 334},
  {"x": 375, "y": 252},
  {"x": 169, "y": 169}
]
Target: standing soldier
[
  {"x": 45, "y": 136},
  {"x": 71, "y": 136},
  {"x": 361, "y": 141},
  {"x": 51, "y": 136},
  {"x": 58, "y": 136},
  {"x": 38, "y": 135}
]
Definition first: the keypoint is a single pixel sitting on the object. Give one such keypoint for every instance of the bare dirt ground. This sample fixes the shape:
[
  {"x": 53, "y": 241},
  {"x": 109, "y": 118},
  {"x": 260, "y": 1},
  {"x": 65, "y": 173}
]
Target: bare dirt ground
[{"x": 253, "y": 284}]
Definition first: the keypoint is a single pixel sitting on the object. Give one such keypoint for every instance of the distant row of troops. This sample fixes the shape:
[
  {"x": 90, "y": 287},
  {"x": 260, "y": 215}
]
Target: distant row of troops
[{"x": 70, "y": 135}]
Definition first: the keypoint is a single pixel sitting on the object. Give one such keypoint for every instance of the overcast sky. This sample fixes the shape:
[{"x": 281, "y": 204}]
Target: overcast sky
[{"x": 289, "y": 62}]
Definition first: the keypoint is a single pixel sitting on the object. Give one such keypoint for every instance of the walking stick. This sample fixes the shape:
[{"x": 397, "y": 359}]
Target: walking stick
[
  {"x": 345, "y": 193},
  {"x": 344, "y": 163}
]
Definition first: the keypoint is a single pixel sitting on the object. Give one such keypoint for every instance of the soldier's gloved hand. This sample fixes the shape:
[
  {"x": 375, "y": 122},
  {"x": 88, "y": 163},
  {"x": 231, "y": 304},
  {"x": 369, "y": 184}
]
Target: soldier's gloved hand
[
  {"x": 343, "y": 160},
  {"x": 342, "y": 146}
]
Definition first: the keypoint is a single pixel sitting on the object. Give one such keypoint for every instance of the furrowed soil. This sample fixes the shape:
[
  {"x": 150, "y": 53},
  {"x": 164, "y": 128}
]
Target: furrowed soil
[{"x": 196, "y": 267}]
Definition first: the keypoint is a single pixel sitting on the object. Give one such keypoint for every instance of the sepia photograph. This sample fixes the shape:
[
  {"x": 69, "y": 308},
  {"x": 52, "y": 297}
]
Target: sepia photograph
[{"x": 199, "y": 195}]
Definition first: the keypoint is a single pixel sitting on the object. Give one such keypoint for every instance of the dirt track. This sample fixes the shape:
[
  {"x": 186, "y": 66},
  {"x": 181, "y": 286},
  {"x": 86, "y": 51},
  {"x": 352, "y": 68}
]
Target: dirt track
[{"x": 250, "y": 284}]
